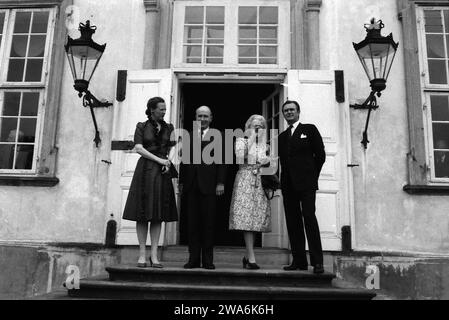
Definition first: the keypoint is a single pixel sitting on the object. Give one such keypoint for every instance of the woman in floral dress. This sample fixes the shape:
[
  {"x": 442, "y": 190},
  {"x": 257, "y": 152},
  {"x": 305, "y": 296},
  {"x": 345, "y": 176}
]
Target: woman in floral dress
[{"x": 250, "y": 208}]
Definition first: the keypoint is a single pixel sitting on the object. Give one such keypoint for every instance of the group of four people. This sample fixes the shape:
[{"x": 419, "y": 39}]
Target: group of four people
[{"x": 151, "y": 196}]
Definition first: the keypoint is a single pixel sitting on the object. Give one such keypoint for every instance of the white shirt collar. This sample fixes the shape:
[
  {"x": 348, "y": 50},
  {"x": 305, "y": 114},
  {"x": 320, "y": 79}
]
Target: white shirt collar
[
  {"x": 204, "y": 132},
  {"x": 295, "y": 125}
]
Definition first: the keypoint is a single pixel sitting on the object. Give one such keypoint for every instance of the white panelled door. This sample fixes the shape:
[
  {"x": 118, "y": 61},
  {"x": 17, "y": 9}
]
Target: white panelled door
[
  {"x": 315, "y": 92},
  {"x": 141, "y": 85}
]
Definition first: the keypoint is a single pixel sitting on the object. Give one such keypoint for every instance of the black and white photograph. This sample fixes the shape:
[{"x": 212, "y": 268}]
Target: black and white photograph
[{"x": 225, "y": 156}]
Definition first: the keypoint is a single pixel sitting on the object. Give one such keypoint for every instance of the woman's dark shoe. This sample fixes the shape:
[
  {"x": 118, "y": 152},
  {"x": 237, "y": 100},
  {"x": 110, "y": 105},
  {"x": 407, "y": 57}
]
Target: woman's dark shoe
[
  {"x": 155, "y": 265},
  {"x": 249, "y": 265}
]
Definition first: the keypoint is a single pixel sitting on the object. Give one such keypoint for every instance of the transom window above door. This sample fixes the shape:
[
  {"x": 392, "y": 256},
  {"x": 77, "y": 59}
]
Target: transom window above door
[{"x": 254, "y": 33}]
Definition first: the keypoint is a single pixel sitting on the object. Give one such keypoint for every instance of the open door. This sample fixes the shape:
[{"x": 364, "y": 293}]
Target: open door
[
  {"x": 278, "y": 237},
  {"x": 315, "y": 92},
  {"x": 141, "y": 85}
]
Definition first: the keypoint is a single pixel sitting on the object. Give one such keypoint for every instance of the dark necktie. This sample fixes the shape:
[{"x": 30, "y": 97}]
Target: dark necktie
[{"x": 290, "y": 131}]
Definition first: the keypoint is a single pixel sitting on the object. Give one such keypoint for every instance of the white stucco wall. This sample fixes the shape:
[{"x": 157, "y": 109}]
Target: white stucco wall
[{"x": 386, "y": 218}]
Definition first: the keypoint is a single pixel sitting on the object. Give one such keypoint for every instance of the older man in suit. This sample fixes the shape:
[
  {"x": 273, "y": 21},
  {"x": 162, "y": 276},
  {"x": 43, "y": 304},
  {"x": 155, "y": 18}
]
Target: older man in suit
[
  {"x": 302, "y": 155},
  {"x": 202, "y": 183}
]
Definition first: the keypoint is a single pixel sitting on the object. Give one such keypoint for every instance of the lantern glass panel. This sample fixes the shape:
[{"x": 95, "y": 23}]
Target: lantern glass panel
[
  {"x": 377, "y": 60},
  {"x": 83, "y": 61}
]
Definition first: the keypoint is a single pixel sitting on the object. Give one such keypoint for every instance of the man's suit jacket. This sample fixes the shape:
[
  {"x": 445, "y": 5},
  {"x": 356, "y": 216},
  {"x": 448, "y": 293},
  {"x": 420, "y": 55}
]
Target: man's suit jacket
[
  {"x": 302, "y": 156},
  {"x": 208, "y": 176}
]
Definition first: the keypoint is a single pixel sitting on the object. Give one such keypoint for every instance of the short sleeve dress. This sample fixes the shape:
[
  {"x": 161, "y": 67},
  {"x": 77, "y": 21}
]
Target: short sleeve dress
[
  {"x": 250, "y": 208},
  {"x": 151, "y": 195}
]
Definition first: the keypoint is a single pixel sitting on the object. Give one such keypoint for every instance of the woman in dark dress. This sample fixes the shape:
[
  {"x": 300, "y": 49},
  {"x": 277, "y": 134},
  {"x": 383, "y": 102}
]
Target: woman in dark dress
[{"x": 151, "y": 197}]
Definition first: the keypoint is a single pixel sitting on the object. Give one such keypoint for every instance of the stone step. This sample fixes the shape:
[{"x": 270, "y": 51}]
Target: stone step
[
  {"x": 273, "y": 257},
  {"x": 224, "y": 274},
  {"x": 105, "y": 288}
]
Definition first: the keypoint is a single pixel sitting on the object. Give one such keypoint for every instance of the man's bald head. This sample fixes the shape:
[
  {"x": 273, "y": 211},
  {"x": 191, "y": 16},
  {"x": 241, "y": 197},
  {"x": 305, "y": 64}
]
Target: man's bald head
[
  {"x": 204, "y": 114},
  {"x": 204, "y": 109}
]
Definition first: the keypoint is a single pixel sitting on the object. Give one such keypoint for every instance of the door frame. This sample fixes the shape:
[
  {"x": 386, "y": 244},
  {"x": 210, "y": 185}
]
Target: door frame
[{"x": 210, "y": 75}]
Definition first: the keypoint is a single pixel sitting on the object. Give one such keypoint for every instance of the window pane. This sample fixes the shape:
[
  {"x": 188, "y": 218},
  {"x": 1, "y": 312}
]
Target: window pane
[
  {"x": 193, "y": 34},
  {"x": 267, "y": 60},
  {"x": 268, "y": 52},
  {"x": 433, "y": 21},
  {"x": 268, "y": 32},
  {"x": 247, "y": 15},
  {"x": 30, "y": 103},
  {"x": 18, "y": 46},
  {"x": 11, "y": 104},
  {"x": 6, "y": 156},
  {"x": 248, "y": 60},
  {"x": 34, "y": 70},
  {"x": 435, "y": 46},
  {"x": 194, "y": 15},
  {"x": 194, "y": 51},
  {"x": 268, "y": 15},
  {"x": 214, "y": 51},
  {"x": 8, "y": 129},
  {"x": 215, "y": 34},
  {"x": 247, "y": 51},
  {"x": 2, "y": 21},
  {"x": 40, "y": 22},
  {"x": 442, "y": 164},
  {"x": 215, "y": 15},
  {"x": 440, "y": 135},
  {"x": 192, "y": 54},
  {"x": 37, "y": 46},
  {"x": 24, "y": 157},
  {"x": 446, "y": 20},
  {"x": 248, "y": 34},
  {"x": 27, "y": 130},
  {"x": 22, "y": 24},
  {"x": 214, "y": 60},
  {"x": 437, "y": 71},
  {"x": 15, "y": 70},
  {"x": 440, "y": 108}
]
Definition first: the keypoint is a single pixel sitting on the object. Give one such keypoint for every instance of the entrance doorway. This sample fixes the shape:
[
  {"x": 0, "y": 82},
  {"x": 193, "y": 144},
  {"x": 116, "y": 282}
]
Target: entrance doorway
[{"x": 231, "y": 104}]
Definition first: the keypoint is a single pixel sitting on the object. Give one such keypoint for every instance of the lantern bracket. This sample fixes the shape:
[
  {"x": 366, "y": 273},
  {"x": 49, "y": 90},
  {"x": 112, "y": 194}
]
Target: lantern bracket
[
  {"x": 370, "y": 104},
  {"x": 89, "y": 100}
]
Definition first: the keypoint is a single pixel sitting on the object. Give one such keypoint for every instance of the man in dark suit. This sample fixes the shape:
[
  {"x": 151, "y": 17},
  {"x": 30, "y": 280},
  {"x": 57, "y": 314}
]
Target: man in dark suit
[
  {"x": 202, "y": 182},
  {"x": 302, "y": 155}
]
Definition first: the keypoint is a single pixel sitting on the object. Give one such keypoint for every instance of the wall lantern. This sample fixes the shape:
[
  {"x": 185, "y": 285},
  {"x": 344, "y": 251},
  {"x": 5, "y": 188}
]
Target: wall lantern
[
  {"x": 84, "y": 54},
  {"x": 376, "y": 53}
]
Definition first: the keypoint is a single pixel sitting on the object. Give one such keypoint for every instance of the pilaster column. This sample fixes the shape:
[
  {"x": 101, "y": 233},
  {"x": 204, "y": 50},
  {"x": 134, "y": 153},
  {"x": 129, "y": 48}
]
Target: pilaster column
[
  {"x": 151, "y": 33},
  {"x": 312, "y": 10}
]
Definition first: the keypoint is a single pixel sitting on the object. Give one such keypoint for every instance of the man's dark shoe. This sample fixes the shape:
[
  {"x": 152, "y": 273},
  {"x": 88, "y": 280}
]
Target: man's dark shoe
[
  {"x": 318, "y": 269},
  {"x": 295, "y": 266},
  {"x": 210, "y": 266},
  {"x": 191, "y": 265}
]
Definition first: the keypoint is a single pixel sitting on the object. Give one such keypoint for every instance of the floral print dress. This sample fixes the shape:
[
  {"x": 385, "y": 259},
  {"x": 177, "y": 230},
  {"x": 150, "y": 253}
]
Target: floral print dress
[{"x": 250, "y": 208}]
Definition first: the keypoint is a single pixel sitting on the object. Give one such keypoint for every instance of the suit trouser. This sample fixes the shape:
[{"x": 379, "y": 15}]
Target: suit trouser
[
  {"x": 201, "y": 210},
  {"x": 300, "y": 213}
]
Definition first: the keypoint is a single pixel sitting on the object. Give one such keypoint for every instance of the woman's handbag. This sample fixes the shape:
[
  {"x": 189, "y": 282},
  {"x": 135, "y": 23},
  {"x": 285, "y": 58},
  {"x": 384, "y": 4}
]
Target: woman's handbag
[{"x": 270, "y": 183}]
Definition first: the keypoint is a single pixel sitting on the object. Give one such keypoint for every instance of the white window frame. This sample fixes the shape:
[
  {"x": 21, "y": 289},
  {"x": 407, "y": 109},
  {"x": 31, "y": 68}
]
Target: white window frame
[
  {"x": 230, "y": 54},
  {"x": 428, "y": 89},
  {"x": 37, "y": 86}
]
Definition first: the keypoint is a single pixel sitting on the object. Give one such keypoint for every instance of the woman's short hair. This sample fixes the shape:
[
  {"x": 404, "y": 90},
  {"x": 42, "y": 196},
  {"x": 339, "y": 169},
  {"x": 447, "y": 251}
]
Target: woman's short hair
[
  {"x": 255, "y": 117},
  {"x": 152, "y": 104},
  {"x": 293, "y": 102}
]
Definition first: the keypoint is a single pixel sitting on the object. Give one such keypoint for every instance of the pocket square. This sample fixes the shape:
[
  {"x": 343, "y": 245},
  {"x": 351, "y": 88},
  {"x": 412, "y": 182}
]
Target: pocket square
[{"x": 303, "y": 136}]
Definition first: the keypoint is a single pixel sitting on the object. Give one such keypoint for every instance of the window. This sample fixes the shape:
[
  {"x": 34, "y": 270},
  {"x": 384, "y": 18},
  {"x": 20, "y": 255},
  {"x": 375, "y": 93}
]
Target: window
[
  {"x": 204, "y": 34},
  {"x": 25, "y": 50},
  {"x": 434, "y": 38},
  {"x": 252, "y": 33},
  {"x": 258, "y": 35}
]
